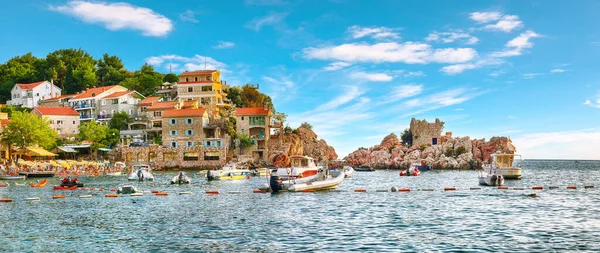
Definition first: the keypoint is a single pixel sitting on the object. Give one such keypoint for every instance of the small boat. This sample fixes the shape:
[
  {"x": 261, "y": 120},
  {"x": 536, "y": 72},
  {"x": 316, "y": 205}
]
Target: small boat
[
  {"x": 118, "y": 173},
  {"x": 301, "y": 166},
  {"x": 119, "y": 166},
  {"x": 181, "y": 178},
  {"x": 3, "y": 185},
  {"x": 412, "y": 171},
  {"x": 261, "y": 172},
  {"x": 424, "y": 166},
  {"x": 323, "y": 180},
  {"x": 228, "y": 172},
  {"x": 7, "y": 177},
  {"x": 40, "y": 184},
  {"x": 38, "y": 174},
  {"x": 68, "y": 182},
  {"x": 349, "y": 171},
  {"x": 20, "y": 184},
  {"x": 65, "y": 188},
  {"x": 502, "y": 163},
  {"x": 491, "y": 179},
  {"x": 364, "y": 168},
  {"x": 141, "y": 172},
  {"x": 127, "y": 189}
]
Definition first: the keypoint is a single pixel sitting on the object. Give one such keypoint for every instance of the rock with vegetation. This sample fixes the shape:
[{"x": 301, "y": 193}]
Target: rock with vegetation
[{"x": 302, "y": 141}]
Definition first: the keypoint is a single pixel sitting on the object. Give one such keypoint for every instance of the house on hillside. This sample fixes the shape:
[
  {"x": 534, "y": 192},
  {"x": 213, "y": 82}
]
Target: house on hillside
[
  {"x": 202, "y": 85},
  {"x": 101, "y": 103},
  {"x": 29, "y": 94},
  {"x": 64, "y": 120},
  {"x": 60, "y": 101},
  {"x": 256, "y": 123}
]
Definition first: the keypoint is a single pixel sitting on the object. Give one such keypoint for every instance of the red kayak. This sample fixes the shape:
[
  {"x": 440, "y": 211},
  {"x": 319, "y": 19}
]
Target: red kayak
[
  {"x": 65, "y": 188},
  {"x": 408, "y": 172}
]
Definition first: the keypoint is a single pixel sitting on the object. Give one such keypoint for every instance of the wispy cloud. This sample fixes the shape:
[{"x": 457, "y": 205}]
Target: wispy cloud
[
  {"x": 266, "y": 2},
  {"x": 459, "y": 68},
  {"x": 409, "y": 52},
  {"x": 188, "y": 16},
  {"x": 557, "y": 70},
  {"x": 512, "y": 117},
  {"x": 485, "y": 17},
  {"x": 581, "y": 144},
  {"x": 439, "y": 100},
  {"x": 496, "y": 73},
  {"x": 373, "y": 77},
  {"x": 517, "y": 45},
  {"x": 374, "y": 32},
  {"x": 350, "y": 93},
  {"x": 179, "y": 63},
  {"x": 595, "y": 102},
  {"x": 118, "y": 16},
  {"x": 414, "y": 74},
  {"x": 224, "y": 44},
  {"x": 271, "y": 19},
  {"x": 336, "y": 66},
  {"x": 531, "y": 75},
  {"x": 505, "y": 23},
  {"x": 449, "y": 37}
]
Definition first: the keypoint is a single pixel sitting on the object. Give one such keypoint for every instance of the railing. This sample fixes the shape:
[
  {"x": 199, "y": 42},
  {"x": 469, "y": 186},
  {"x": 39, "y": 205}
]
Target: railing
[
  {"x": 84, "y": 105},
  {"x": 257, "y": 136},
  {"x": 105, "y": 117}
]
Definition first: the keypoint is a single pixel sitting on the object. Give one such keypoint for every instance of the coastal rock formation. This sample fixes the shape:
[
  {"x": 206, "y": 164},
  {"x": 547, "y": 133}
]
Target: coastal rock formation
[
  {"x": 304, "y": 142},
  {"x": 453, "y": 153}
]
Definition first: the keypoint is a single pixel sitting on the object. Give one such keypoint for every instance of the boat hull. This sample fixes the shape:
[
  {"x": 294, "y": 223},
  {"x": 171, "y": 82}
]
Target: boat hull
[
  {"x": 488, "y": 181},
  {"x": 364, "y": 169},
  {"x": 12, "y": 177},
  {"x": 349, "y": 171},
  {"x": 319, "y": 185},
  {"x": 38, "y": 174},
  {"x": 509, "y": 173},
  {"x": 227, "y": 174}
]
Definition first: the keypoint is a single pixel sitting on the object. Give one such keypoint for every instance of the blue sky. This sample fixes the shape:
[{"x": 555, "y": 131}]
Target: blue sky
[{"x": 359, "y": 70}]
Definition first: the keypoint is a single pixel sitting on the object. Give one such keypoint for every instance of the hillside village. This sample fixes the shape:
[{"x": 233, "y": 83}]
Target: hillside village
[{"x": 191, "y": 123}]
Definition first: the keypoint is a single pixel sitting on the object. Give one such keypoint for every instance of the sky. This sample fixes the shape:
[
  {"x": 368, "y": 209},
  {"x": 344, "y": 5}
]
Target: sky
[{"x": 360, "y": 70}]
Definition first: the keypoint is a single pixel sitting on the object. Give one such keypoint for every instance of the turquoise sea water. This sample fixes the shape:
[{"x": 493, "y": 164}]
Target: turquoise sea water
[{"x": 464, "y": 220}]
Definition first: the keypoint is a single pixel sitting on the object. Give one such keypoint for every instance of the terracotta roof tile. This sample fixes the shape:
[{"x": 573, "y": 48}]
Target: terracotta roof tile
[
  {"x": 96, "y": 91},
  {"x": 162, "y": 105},
  {"x": 61, "y": 97},
  {"x": 195, "y": 82},
  {"x": 67, "y": 111},
  {"x": 118, "y": 94},
  {"x": 29, "y": 86},
  {"x": 197, "y": 72},
  {"x": 149, "y": 100},
  {"x": 252, "y": 111},
  {"x": 190, "y": 112}
]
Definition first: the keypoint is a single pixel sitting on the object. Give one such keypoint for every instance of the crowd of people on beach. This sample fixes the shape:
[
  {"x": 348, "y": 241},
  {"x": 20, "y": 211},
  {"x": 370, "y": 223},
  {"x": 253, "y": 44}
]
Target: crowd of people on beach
[{"x": 61, "y": 167}]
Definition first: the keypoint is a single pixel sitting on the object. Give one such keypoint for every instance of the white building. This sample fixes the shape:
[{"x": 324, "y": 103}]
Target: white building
[
  {"x": 64, "y": 120},
  {"x": 29, "y": 94},
  {"x": 102, "y": 103}
]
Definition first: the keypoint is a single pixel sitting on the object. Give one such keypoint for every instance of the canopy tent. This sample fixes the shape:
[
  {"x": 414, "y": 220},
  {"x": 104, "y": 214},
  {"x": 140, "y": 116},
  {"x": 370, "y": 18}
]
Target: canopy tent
[
  {"x": 67, "y": 149},
  {"x": 105, "y": 149},
  {"x": 34, "y": 151}
]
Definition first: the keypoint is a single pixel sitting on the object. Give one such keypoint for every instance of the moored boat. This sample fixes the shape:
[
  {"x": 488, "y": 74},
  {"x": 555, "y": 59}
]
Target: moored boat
[
  {"x": 38, "y": 174},
  {"x": 181, "y": 178},
  {"x": 141, "y": 172},
  {"x": 412, "y": 171},
  {"x": 364, "y": 168},
  {"x": 40, "y": 184},
  {"x": 127, "y": 189},
  {"x": 349, "y": 171},
  {"x": 7, "y": 177},
  {"x": 65, "y": 188},
  {"x": 228, "y": 172},
  {"x": 491, "y": 179},
  {"x": 301, "y": 166},
  {"x": 3, "y": 185},
  {"x": 323, "y": 180},
  {"x": 502, "y": 163},
  {"x": 261, "y": 172},
  {"x": 68, "y": 182}
]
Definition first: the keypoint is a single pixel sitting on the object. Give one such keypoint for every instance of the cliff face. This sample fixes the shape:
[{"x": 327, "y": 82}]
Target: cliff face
[
  {"x": 457, "y": 153},
  {"x": 305, "y": 142}
]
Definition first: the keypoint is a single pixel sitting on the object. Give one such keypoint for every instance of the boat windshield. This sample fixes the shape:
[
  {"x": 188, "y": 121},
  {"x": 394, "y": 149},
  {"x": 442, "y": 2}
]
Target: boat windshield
[{"x": 138, "y": 167}]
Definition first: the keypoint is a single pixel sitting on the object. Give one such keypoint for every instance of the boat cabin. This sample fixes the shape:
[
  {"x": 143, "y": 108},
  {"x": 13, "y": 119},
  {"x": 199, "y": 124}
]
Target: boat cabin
[
  {"x": 141, "y": 167},
  {"x": 504, "y": 160},
  {"x": 298, "y": 161}
]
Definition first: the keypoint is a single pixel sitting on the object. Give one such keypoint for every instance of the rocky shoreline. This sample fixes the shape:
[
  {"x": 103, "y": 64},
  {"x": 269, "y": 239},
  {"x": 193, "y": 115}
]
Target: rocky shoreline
[{"x": 455, "y": 153}]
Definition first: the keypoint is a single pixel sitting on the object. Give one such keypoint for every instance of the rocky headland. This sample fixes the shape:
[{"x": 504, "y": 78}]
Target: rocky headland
[
  {"x": 454, "y": 153},
  {"x": 303, "y": 141}
]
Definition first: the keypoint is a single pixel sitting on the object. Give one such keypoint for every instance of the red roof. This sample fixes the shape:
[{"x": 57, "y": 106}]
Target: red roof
[
  {"x": 162, "y": 105},
  {"x": 66, "y": 111},
  {"x": 252, "y": 111},
  {"x": 149, "y": 100},
  {"x": 183, "y": 113},
  {"x": 29, "y": 86},
  {"x": 4, "y": 122},
  {"x": 197, "y": 72},
  {"x": 196, "y": 82},
  {"x": 118, "y": 94},
  {"x": 95, "y": 91},
  {"x": 61, "y": 97}
]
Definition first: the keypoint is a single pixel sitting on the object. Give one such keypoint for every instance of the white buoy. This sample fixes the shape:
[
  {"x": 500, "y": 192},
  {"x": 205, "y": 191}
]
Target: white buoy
[
  {"x": 137, "y": 194},
  {"x": 85, "y": 196},
  {"x": 33, "y": 199}
]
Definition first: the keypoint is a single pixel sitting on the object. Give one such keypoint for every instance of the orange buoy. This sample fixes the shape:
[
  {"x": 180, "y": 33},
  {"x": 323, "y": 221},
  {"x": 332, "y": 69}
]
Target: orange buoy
[
  {"x": 537, "y": 187},
  {"x": 308, "y": 191},
  {"x": 404, "y": 190},
  {"x": 572, "y": 187},
  {"x": 111, "y": 195},
  {"x": 59, "y": 197},
  {"x": 154, "y": 191},
  {"x": 5, "y": 200},
  {"x": 162, "y": 194},
  {"x": 502, "y": 187},
  {"x": 113, "y": 190},
  {"x": 360, "y": 190},
  {"x": 450, "y": 189},
  {"x": 212, "y": 192},
  {"x": 259, "y": 191}
]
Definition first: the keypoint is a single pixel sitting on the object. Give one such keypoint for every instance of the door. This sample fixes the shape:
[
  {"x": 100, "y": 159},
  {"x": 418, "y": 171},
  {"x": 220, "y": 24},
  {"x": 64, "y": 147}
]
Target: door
[{"x": 434, "y": 141}]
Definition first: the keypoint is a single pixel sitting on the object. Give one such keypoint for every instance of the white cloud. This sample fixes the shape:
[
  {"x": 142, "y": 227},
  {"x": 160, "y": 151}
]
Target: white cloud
[
  {"x": 595, "y": 103},
  {"x": 449, "y": 37},
  {"x": 409, "y": 52},
  {"x": 179, "y": 63},
  {"x": 350, "y": 93},
  {"x": 224, "y": 44},
  {"x": 282, "y": 81},
  {"x": 266, "y": 2},
  {"x": 517, "y": 45},
  {"x": 414, "y": 74},
  {"x": 496, "y": 73},
  {"x": 459, "y": 109},
  {"x": 459, "y": 68},
  {"x": 557, "y": 71},
  {"x": 485, "y": 17},
  {"x": 336, "y": 66},
  {"x": 118, "y": 16},
  {"x": 439, "y": 100},
  {"x": 574, "y": 144},
  {"x": 271, "y": 19},
  {"x": 374, "y": 32},
  {"x": 373, "y": 77},
  {"x": 531, "y": 75},
  {"x": 512, "y": 117},
  {"x": 506, "y": 24},
  {"x": 404, "y": 91},
  {"x": 188, "y": 16}
]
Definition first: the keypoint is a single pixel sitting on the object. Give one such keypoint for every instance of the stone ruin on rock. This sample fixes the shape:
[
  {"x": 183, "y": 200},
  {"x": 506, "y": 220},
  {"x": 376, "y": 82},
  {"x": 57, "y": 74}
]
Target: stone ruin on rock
[{"x": 424, "y": 133}]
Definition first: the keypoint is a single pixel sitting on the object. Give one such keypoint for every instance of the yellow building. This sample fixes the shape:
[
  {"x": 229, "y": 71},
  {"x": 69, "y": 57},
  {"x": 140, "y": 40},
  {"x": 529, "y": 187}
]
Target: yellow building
[{"x": 202, "y": 85}]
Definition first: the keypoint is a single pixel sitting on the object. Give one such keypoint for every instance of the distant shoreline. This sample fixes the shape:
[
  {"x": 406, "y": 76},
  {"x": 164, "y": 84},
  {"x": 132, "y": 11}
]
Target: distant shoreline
[{"x": 550, "y": 159}]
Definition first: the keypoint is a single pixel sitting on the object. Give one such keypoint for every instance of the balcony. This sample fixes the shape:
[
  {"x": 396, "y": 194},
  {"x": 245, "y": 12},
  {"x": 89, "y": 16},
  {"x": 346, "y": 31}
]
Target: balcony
[
  {"x": 86, "y": 117},
  {"x": 84, "y": 106},
  {"x": 105, "y": 117}
]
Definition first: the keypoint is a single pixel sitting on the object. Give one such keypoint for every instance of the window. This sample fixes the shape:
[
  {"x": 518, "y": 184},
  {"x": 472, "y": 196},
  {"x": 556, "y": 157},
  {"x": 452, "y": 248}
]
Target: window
[
  {"x": 140, "y": 157},
  {"x": 73, "y": 122},
  {"x": 189, "y": 132},
  {"x": 37, "y": 94},
  {"x": 257, "y": 121},
  {"x": 242, "y": 130},
  {"x": 51, "y": 121},
  {"x": 59, "y": 122},
  {"x": 218, "y": 143},
  {"x": 208, "y": 156},
  {"x": 129, "y": 157},
  {"x": 103, "y": 102},
  {"x": 169, "y": 156},
  {"x": 208, "y": 78},
  {"x": 173, "y": 144},
  {"x": 152, "y": 157},
  {"x": 114, "y": 101},
  {"x": 196, "y": 79},
  {"x": 173, "y": 133},
  {"x": 130, "y": 111},
  {"x": 206, "y": 88},
  {"x": 173, "y": 121},
  {"x": 189, "y": 121},
  {"x": 157, "y": 114},
  {"x": 186, "y": 79},
  {"x": 189, "y": 144},
  {"x": 242, "y": 117},
  {"x": 190, "y": 89},
  {"x": 190, "y": 156}
]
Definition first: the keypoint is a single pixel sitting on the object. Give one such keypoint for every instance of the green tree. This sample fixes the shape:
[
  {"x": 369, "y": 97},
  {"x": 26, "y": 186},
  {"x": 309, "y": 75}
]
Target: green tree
[
  {"x": 111, "y": 70},
  {"x": 306, "y": 125},
  {"x": 95, "y": 133},
  {"x": 120, "y": 121},
  {"x": 233, "y": 94},
  {"x": 72, "y": 69},
  {"x": 244, "y": 141},
  {"x": 112, "y": 137},
  {"x": 9, "y": 109},
  {"x": 406, "y": 137},
  {"x": 171, "y": 78},
  {"x": 20, "y": 69},
  {"x": 26, "y": 129},
  {"x": 146, "y": 81}
]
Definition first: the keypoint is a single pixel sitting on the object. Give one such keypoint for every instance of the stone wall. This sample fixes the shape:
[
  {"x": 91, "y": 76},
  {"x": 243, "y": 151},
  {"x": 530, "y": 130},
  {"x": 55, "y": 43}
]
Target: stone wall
[
  {"x": 424, "y": 133},
  {"x": 154, "y": 155}
]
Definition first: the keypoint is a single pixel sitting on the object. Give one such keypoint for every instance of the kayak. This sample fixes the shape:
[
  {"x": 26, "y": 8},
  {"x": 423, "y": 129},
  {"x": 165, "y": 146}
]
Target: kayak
[
  {"x": 3, "y": 185},
  {"x": 40, "y": 184},
  {"x": 65, "y": 188}
]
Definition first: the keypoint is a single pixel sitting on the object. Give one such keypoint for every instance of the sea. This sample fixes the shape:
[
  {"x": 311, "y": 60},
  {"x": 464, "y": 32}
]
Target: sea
[{"x": 238, "y": 220}]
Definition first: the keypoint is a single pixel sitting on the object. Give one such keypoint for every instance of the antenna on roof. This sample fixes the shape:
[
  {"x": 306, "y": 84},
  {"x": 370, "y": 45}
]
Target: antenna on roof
[{"x": 204, "y": 63}]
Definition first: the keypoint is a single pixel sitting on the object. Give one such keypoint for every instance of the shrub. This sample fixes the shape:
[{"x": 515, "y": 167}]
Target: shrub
[
  {"x": 306, "y": 125},
  {"x": 406, "y": 137},
  {"x": 295, "y": 131},
  {"x": 449, "y": 152},
  {"x": 460, "y": 151}
]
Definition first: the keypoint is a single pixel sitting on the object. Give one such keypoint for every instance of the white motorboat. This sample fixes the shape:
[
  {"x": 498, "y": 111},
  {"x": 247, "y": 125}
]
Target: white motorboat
[
  {"x": 117, "y": 170},
  {"x": 323, "y": 180},
  {"x": 181, "y": 178},
  {"x": 127, "y": 189},
  {"x": 228, "y": 172},
  {"x": 141, "y": 172},
  {"x": 502, "y": 163},
  {"x": 349, "y": 171},
  {"x": 301, "y": 166},
  {"x": 492, "y": 178}
]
